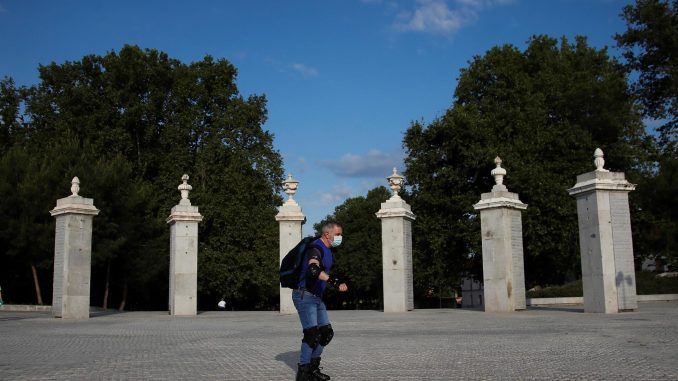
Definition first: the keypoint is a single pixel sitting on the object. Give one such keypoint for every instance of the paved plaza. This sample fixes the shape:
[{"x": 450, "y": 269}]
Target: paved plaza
[{"x": 544, "y": 343}]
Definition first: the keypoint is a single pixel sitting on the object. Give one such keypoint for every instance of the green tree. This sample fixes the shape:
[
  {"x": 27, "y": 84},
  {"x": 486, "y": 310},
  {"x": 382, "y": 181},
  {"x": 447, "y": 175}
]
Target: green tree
[
  {"x": 129, "y": 124},
  {"x": 543, "y": 111},
  {"x": 359, "y": 256},
  {"x": 650, "y": 47}
]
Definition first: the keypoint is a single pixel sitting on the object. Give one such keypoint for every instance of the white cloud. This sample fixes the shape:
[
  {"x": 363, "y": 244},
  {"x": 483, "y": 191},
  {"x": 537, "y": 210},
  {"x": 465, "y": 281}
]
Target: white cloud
[
  {"x": 435, "y": 16},
  {"x": 337, "y": 194},
  {"x": 304, "y": 70},
  {"x": 374, "y": 163}
]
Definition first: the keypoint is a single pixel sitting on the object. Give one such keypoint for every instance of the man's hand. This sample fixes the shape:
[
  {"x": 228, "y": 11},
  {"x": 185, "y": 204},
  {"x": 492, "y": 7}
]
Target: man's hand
[{"x": 343, "y": 287}]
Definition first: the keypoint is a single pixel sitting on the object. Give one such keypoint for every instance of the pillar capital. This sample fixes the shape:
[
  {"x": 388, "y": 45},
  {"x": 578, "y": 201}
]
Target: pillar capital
[
  {"x": 396, "y": 207},
  {"x": 501, "y": 199},
  {"x": 601, "y": 180},
  {"x": 184, "y": 211},
  {"x": 74, "y": 203},
  {"x": 290, "y": 212}
]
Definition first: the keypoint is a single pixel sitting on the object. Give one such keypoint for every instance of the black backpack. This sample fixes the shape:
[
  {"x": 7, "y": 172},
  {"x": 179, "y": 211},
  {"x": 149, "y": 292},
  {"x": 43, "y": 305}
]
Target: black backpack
[{"x": 290, "y": 267}]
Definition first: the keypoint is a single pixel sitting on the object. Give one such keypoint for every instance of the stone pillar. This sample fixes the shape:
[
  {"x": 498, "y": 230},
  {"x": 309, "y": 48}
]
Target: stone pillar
[
  {"x": 502, "y": 244},
  {"x": 608, "y": 273},
  {"x": 72, "y": 254},
  {"x": 290, "y": 219},
  {"x": 396, "y": 244},
  {"x": 183, "y": 221}
]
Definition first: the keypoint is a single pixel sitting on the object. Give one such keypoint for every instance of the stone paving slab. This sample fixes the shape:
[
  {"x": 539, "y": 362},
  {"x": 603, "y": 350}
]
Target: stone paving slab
[{"x": 543, "y": 343}]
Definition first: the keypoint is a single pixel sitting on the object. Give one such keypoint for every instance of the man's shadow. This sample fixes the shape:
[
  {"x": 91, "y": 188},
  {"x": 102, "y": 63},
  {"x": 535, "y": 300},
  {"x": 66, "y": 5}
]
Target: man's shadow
[{"x": 290, "y": 358}]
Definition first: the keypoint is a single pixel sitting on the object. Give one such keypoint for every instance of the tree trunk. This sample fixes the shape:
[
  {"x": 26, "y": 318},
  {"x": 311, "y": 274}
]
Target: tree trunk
[
  {"x": 108, "y": 279},
  {"x": 36, "y": 282},
  {"x": 124, "y": 298}
]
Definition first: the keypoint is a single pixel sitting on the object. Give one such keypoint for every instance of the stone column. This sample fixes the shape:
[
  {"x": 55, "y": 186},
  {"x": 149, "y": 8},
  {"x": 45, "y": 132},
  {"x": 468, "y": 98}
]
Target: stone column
[
  {"x": 502, "y": 244},
  {"x": 608, "y": 273},
  {"x": 183, "y": 221},
  {"x": 396, "y": 244},
  {"x": 290, "y": 219},
  {"x": 72, "y": 254}
]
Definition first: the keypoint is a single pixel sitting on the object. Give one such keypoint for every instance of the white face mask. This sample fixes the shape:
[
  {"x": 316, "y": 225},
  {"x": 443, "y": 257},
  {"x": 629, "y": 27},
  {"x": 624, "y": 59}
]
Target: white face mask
[{"x": 336, "y": 241}]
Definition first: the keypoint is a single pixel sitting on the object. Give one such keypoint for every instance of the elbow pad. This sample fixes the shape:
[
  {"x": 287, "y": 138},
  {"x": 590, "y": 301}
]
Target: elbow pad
[{"x": 313, "y": 271}]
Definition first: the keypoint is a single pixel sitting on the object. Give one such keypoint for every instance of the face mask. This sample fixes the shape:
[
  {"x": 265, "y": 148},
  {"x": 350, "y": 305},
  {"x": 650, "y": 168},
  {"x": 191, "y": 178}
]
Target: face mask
[{"x": 336, "y": 241}]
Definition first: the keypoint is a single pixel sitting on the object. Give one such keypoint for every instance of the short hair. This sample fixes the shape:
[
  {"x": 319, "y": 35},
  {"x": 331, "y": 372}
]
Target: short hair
[{"x": 329, "y": 226}]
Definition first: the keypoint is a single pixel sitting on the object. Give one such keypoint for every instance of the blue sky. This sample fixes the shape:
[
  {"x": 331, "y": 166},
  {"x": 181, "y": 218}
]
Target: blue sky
[{"x": 343, "y": 78}]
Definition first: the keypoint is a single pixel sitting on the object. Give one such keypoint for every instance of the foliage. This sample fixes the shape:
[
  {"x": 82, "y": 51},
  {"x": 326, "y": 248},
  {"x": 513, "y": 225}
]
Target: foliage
[
  {"x": 570, "y": 289},
  {"x": 647, "y": 283},
  {"x": 129, "y": 124},
  {"x": 358, "y": 258},
  {"x": 650, "y": 47},
  {"x": 543, "y": 111}
]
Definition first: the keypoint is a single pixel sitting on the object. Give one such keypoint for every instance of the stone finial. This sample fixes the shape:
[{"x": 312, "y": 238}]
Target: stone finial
[
  {"x": 498, "y": 172},
  {"x": 75, "y": 186},
  {"x": 184, "y": 188},
  {"x": 395, "y": 181},
  {"x": 290, "y": 187},
  {"x": 599, "y": 161}
]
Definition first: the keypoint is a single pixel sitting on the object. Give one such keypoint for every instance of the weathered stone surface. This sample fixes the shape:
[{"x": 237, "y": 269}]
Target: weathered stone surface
[
  {"x": 605, "y": 241},
  {"x": 290, "y": 219},
  {"x": 72, "y": 255},
  {"x": 502, "y": 245},
  {"x": 548, "y": 343},
  {"x": 183, "y": 288},
  {"x": 396, "y": 242}
]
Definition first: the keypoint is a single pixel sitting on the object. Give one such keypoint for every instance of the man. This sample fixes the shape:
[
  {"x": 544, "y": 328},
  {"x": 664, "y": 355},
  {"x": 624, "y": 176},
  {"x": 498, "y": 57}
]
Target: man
[{"x": 307, "y": 298}]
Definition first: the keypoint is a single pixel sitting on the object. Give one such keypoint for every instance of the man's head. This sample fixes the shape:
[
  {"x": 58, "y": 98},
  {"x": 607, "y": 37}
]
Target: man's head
[{"x": 332, "y": 234}]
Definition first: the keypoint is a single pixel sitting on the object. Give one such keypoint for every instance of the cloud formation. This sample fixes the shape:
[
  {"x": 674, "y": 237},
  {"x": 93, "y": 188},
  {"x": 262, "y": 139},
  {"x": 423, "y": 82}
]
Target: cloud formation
[
  {"x": 436, "y": 17},
  {"x": 374, "y": 163},
  {"x": 337, "y": 194},
  {"x": 304, "y": 70}
]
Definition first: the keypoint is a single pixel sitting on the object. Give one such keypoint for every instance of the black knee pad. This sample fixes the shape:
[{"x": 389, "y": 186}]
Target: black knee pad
[
  {"x": 311, "y": 336},
  {"x": 326, "y": 334}
]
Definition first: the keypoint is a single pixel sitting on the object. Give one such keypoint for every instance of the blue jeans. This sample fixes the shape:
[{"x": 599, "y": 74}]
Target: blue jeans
[{"x": 312, "y": 312}]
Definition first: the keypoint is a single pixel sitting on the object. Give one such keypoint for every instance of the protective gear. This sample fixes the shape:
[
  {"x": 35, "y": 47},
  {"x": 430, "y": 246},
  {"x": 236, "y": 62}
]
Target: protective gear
[
  {"x": 334, "y": 282},
  {"x": 315, "y": 370},
  {"x": 304, "y": 372},
  {"x": 313, "y": 271},
  {"x": 336, "y": 241},
  {"x": 311, "y": 336},
  {"x": 326, "y": 334}
]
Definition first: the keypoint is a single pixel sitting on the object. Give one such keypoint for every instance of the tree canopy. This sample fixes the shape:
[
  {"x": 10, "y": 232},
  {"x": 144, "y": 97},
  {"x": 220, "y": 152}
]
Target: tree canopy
[
  {"x": 543, "y": 111},
  {"x": 358, "y": 258},
  {"x": 650, "y": 47},
  {"x": 129, "y": 124}
]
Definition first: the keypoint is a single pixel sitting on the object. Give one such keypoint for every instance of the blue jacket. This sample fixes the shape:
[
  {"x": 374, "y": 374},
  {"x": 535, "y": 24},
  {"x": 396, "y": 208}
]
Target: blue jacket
[{"x": 316, "y": 248}]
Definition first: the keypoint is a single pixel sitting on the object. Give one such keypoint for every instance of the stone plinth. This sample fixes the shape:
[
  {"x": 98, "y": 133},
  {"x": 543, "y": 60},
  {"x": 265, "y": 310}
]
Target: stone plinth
[
  {"x": 396, "y": 244},
  {"x": 183, "y": 221},
  {"x": 72, "y": 255},
  {"x": 502, "y": 245},
  {"x": 608, "y": 273},
  {"x": 290, "y": 219}
]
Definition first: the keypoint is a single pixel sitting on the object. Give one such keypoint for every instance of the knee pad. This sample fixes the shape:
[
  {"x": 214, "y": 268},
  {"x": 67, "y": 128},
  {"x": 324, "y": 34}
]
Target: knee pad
[
  {"x": 311, "y": 337},
  {"x": 326, "y": 334}
]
